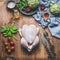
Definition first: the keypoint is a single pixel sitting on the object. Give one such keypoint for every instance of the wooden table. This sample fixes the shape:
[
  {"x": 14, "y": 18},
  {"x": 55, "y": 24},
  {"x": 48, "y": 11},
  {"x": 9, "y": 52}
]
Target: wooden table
[{"x": 40, "y": 53}]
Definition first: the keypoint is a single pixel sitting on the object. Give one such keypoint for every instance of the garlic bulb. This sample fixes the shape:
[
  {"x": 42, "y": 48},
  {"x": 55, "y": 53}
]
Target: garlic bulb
[{"x": 29, "y": 36}]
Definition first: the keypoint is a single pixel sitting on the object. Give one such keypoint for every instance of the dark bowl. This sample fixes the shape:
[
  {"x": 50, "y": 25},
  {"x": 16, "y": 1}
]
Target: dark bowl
[
  {"x": 28, "y": 13},
  {"x": 33, "y": 11},
  {"x": 23, "y": 11}
]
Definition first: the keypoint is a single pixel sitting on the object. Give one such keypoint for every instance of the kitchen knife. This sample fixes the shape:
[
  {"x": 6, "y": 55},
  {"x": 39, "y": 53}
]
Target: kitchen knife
[
  {"x": 47, "y": 38},
  {"x": 45, "y": 46},
  {"x": 50, "y": 43},
  {"x": 44, "y": 42}
]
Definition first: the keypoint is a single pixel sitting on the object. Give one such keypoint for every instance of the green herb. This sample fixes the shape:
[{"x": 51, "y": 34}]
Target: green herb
[
  {"x": 9, "y": 30},
  {"x": 22, "y": 4}
]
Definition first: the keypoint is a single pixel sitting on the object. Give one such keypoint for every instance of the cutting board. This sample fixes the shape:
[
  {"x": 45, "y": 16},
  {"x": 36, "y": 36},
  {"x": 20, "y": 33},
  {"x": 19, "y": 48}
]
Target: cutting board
[{"x": 39, "y": 53}]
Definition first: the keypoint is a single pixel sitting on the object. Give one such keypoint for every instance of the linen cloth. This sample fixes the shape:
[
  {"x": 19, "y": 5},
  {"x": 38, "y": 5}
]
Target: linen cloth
[{"x": 53, "y": 23}]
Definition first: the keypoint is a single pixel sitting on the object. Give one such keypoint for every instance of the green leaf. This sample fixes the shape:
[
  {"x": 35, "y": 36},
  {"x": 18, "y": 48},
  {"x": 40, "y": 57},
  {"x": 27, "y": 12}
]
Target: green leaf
[
  {"x": 15, "y": 32},
  {"x": 9, "y": 33},
  {"x": 14, "y": 28},
  {"x": 5, "y": 34},
  {"x": 3, "y": 29},
  {"x": 11, "y": 30},
  {"x": 8, "y": 28}
]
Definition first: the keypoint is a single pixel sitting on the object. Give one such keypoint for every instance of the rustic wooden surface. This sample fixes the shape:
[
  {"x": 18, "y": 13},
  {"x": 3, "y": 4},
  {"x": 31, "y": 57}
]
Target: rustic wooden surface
[{"x": 40, "y": 52}]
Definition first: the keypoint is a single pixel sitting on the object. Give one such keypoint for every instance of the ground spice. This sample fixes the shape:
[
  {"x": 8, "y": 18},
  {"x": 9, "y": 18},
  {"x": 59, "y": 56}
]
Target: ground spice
[{"x": 46, "y": 15}]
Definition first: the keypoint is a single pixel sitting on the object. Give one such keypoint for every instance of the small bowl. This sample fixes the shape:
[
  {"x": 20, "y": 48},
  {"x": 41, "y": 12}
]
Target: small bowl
[
  {"x": 11, "y": 5},
  {"x": 46, "y": 15}
]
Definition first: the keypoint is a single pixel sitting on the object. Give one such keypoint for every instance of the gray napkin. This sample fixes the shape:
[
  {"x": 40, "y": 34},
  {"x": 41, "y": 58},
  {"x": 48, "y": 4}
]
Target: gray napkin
[
  {"x": 53, "y": 23},
  {"x": 54, "y": 28}
]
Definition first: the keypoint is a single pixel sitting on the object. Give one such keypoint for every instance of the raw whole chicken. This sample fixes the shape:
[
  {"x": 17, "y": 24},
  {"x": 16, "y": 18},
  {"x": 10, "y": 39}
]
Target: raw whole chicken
[{"x": 29, "y": 34}]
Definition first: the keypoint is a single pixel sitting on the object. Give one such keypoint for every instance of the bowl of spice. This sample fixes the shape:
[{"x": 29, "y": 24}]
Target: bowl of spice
[
  {"x": 11, "y": 4},
  {"x": 46, "y": 15}
]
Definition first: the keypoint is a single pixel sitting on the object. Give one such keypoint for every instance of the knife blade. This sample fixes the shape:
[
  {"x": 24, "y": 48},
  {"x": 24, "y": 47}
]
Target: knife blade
[{"x": 43, "y": 40}]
